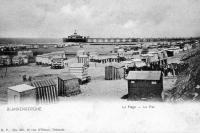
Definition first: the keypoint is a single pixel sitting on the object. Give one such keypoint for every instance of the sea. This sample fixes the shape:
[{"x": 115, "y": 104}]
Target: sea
[{"x": 30, "y": 40}]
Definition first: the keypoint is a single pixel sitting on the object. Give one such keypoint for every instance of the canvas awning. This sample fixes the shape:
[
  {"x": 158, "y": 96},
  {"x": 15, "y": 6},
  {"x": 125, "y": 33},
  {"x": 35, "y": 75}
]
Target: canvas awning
[{"x": 139, "y": 64}]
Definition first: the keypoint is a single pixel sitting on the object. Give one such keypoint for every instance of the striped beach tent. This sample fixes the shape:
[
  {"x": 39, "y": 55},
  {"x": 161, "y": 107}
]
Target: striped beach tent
[{"x": 46, "y": 91}]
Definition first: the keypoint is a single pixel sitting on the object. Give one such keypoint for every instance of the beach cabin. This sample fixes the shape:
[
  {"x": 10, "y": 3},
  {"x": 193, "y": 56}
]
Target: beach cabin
[
  {"x": 147, "y": 58},
  {"x": 138, "y": 63},
  {"x": 127, "y": 64},
  {"x": 25, "y": 59},
  {"x": 132, "y": 54},
  {"x": 5, "y": 60},
  {"x": 68, "y": 85},
  {"x": 28, "y": 53},
  {"x": 57, "y": 63},
  {"x": 43, "y": 59},
  {"x": 46, "y": 59},
  {"x": 114, "y": 71},
  {"x": 17, "y": 60},
  {"x": 144, "y": 84},
  {"x": 134, "y": 65},
  {"x": 93, "y": 56},
  {"x": 83, "y": 59},
  {"x": 21, "y": 94},
  {"x": 155, "y": 57},
  {"x": 162, "y": 56},
  {"x": 121, "y": 52},
  {"x": 107, "y": 58},
  {"x": 60, "y": 45},
  {"x": 187, "y": 47},
  {"x": 172, "y": 51},
  {"x": 46, "y": 91},
  {"x": 80, "y": 71},
  {"x": 116, "y": 49},
  {"x": 20, "y": 60},
  {"x": 57, "y": 54}
]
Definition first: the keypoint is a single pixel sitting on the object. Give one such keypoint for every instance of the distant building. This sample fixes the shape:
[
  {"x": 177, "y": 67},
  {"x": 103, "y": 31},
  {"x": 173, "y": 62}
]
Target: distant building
[
  {"x": 144, "y": 84},
  {"x": 20, "y": 60},
  {"x": 29, "y": 53},
  {"x": 5, "y": 60},
  {"x": 75, "y": 38}
]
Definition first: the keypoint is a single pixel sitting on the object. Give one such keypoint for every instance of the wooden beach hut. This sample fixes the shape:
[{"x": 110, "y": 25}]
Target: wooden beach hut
[
  {"x": 5, "y": 60},
  {"x": 46, "y": 91},
  {"x": 20, "y": 60},
  {"x": 144, "y": 84},
  {"x": 162, "y": 55},
  {"x": 68, "y": 85},
  {"x": 114, "y": 71},
  {"x": 45, "y": 59},
  {"x": 83, "y": 59},
  {"x": 21, "y": 94},
  {"x": 172, "y": 51},
  {"x": 17, "y": 60},
  {"x": 80, "y": 71},
  {"x": 147, "y": 58},
  {"x": 121, "y": 52}
]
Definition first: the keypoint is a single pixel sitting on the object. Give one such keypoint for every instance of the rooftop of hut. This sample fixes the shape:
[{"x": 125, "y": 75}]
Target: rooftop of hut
[
  {"x": 116, "y": 65},
  {"x": 21, "y": 88},
  {"x": 67, "y": 77},
  {"x": 42, "y": 83},
  {"x": 144, "y": 75}
]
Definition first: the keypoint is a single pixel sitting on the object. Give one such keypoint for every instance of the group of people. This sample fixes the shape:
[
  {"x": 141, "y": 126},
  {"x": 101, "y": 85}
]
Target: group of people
[
  {"x": 25, "y": 78},
  {"x": 173, "y": 68},
  {"x": 167, "y": 69}
]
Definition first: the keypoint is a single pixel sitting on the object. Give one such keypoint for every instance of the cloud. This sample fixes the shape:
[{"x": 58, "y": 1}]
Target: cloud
[
  {"x": 129, "y": 24},
  {"x": 105, "y": 18},
  {"x": 82, "y": 11}
]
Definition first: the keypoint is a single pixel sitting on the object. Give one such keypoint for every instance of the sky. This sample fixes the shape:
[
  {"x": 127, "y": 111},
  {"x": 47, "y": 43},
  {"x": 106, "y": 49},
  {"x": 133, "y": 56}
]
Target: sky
[{"x": 100, "y": 18}]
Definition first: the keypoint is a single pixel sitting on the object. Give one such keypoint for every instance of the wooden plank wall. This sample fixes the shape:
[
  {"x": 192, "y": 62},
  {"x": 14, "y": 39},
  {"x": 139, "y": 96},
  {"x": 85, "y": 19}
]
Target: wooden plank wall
[
  {"x": 46, "y": 94},
  {"x": 113, "y": 73},
  {"x": 68, "y": 87}
]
